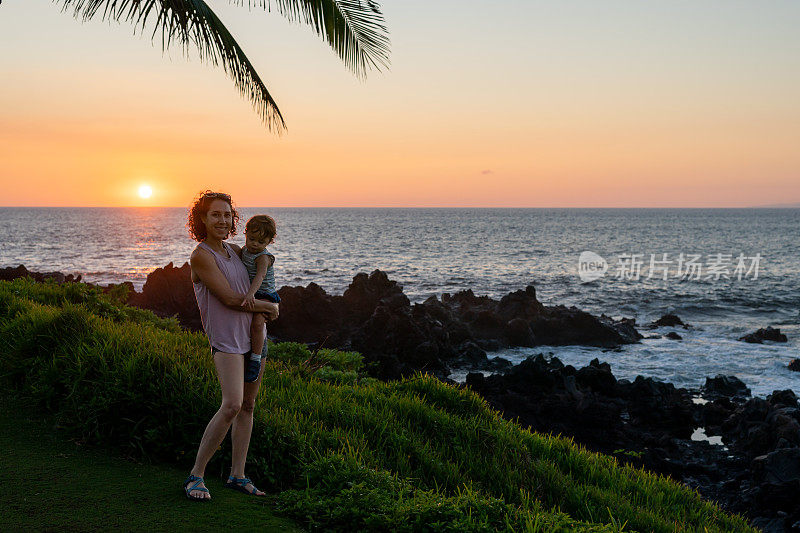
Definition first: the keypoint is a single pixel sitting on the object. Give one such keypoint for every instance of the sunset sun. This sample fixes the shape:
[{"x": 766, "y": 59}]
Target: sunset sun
[{"x": 145, "y": 191}]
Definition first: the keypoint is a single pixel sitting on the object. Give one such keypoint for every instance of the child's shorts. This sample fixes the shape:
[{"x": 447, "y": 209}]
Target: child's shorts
[{"x": 266, "y": 295}]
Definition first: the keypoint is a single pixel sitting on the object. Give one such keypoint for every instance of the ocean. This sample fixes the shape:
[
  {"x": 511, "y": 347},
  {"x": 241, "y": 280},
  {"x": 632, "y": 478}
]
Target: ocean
[{"x": 728, "y": 271}]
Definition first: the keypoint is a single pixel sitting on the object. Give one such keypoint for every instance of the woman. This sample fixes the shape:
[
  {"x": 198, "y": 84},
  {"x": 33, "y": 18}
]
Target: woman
[{"x": 220, "y": 284}]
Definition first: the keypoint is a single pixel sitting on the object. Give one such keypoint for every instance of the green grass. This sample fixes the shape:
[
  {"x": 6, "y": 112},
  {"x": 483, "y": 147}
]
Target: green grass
[
  {"x": 50, "y": 483},
  {"x": 341, "y": 451}
]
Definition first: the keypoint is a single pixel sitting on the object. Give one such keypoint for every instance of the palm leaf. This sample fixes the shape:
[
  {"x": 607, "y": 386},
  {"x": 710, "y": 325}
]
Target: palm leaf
[
  {"x": 355, "y": 29},
  {"x": 189, "y": 21}
]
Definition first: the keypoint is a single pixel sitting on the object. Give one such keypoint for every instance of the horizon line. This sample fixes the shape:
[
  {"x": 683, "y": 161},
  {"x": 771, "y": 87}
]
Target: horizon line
[{"x": 778, "y": 206}]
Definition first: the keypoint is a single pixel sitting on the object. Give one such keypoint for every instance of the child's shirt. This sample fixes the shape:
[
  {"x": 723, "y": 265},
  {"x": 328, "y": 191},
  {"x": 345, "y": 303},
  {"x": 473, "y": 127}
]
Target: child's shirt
[{"x": 249, "y": 260}]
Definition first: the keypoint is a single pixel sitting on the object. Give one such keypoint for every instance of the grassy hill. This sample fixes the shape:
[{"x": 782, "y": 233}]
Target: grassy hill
[
  {"x": 51, "y": 483},
  {"x": 339, "y": 450}
]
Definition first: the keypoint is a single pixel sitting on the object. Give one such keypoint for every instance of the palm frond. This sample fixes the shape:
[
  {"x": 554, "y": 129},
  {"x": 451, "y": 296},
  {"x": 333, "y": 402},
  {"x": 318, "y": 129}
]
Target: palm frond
[
  {"x": 355, "y": 29},
  {"x": 189, "y": 22}
]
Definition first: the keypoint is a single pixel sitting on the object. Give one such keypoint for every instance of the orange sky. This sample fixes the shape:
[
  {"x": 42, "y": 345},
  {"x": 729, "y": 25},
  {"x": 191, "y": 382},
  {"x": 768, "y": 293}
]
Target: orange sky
[{"x": 626, "y": 110}]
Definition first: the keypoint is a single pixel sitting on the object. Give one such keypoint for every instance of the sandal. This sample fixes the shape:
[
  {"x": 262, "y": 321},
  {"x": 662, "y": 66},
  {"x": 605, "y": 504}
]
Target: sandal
[
  {"x": 240, "y": 483},
  {"x": 188, "y": 490}
]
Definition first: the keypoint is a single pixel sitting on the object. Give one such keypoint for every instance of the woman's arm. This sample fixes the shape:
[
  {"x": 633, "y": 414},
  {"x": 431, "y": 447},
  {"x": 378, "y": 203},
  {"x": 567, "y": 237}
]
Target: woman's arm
[
  {"x": 204, "y": 266},
  {"x": 266, "y": 307}
]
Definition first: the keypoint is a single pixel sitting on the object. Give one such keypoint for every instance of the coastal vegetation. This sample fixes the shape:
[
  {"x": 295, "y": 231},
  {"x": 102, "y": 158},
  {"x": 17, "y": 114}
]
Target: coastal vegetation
[
  {"x": 337, "y": 450},
  {"x": 74, "y": 486}
]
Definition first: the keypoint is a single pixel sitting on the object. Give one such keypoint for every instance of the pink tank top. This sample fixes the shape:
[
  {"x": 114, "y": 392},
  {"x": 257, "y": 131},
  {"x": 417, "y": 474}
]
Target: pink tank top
[{"x": 228, "y": 330}]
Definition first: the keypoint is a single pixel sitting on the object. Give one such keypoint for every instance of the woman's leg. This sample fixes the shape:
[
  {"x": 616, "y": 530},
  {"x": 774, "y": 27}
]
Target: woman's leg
[
  {"x": 242, "y": 429},
  {"x": 257, "y": 332},
  {"x": 230, "y": 373}
]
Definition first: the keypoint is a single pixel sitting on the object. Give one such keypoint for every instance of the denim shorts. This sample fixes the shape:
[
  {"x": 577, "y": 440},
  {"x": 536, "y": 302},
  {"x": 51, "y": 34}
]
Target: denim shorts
[{"x": 269, "y": 296}]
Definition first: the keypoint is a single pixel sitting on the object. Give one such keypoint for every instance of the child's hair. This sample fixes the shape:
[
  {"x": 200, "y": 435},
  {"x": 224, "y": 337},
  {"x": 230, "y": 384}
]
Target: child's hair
[{"x": 261, "y": 225}]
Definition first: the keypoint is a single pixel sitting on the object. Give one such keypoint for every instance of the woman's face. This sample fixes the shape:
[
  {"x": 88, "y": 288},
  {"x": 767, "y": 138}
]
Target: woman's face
[{"x": 219, "y": 219}]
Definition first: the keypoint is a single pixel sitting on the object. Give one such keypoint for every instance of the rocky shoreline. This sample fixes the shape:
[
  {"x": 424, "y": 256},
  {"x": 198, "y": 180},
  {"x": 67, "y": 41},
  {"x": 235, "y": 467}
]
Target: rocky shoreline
[
  {"x": 648, "y": 423},
  {"x": 755, "y": 470}
]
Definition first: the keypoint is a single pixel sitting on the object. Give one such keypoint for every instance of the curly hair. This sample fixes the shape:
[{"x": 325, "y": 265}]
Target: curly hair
[{"x": 197, "y": 229}]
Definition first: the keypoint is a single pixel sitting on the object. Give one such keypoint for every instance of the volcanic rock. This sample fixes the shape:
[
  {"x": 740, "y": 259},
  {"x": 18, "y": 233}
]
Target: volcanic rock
[{"x": 764, "y": 334}]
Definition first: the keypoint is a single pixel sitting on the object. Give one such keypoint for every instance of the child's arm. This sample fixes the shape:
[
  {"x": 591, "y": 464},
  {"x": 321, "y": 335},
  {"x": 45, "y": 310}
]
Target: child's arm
[{"x": 262, "y": 264}]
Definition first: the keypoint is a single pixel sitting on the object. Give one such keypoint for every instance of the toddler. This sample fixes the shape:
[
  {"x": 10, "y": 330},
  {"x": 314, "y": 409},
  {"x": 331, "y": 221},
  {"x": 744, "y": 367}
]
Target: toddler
[{"x": 259, "y": 232}]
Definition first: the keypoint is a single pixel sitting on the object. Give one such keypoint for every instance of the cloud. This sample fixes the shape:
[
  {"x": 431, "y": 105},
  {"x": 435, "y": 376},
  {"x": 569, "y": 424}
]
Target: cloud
[{"x": 487, "y": 171}]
